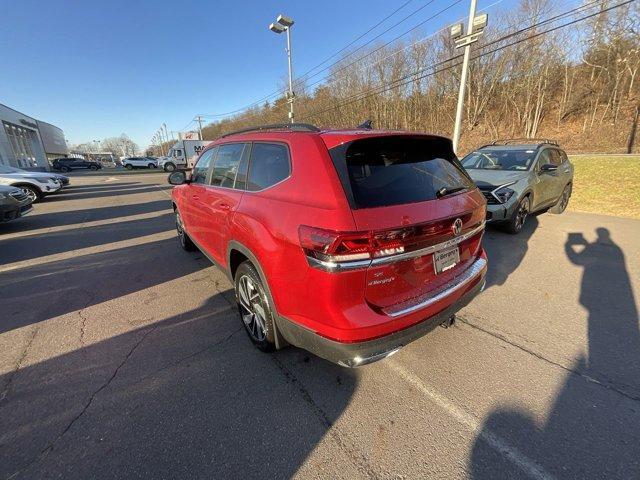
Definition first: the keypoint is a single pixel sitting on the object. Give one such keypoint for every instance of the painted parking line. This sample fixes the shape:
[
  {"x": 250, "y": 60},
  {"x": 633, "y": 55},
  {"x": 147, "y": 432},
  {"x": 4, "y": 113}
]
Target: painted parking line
[{"x": 473, "y": 424}]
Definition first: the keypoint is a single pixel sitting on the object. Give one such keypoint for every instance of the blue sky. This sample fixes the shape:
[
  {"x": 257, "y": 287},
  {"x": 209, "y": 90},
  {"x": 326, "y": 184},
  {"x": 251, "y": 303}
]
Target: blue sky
[{"x": 101, "y": 68}]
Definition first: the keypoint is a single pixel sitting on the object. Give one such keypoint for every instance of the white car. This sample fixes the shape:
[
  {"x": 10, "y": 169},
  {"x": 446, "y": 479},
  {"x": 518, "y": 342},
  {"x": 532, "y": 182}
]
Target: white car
[
  {"x": 139, "y": 162},
  {"x": 35, "y": 184}
]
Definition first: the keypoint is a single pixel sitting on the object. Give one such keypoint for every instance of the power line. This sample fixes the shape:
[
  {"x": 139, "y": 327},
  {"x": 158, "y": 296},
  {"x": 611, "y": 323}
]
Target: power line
[
  {"x": 381, "y": 89},
  {"x": 368, "y": 54},
  {"x": 388, "y": 43},
  {"x": 279, "y": 92},
  {"x": 364, "y": 35}
]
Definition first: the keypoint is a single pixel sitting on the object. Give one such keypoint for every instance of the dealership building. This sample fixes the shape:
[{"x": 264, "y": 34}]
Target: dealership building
[{"x": 28, "y": 143}]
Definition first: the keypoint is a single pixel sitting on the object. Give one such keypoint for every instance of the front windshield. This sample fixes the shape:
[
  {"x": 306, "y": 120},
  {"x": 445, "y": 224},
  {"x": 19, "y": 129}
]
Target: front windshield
[
  {"x": 499, "y": 159},
  {"x": 5, "y": 169}
]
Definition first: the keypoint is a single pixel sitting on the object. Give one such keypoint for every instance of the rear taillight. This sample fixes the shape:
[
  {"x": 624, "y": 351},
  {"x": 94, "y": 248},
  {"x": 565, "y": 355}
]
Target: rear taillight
[
  {"x": 330, "y": 250},
  {"x": 333, "y": 247}
]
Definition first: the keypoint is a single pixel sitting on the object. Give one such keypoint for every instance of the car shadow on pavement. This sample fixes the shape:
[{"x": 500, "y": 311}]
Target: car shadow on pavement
[
  {"x": 22, "y": 248},
  {"x": 97, "y": 187},
  {"x": 59, "y": 287},
  {"x": 582, "y": 436},
  {"x": 506, "y": 252},
  {"x": 185, "y": 397},
  {"x": 70, "y": 217},
  {"x": 82, "y": 195}
]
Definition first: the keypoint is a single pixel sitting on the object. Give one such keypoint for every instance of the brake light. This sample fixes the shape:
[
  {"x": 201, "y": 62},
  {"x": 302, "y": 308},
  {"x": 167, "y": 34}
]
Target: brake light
[{"x": 329, "y": 246}]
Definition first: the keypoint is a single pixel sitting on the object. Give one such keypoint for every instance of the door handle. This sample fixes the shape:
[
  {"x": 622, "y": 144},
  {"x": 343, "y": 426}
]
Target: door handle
[
  {"x": 195, "y": 197},
  {"x": 224, "y": 206}
]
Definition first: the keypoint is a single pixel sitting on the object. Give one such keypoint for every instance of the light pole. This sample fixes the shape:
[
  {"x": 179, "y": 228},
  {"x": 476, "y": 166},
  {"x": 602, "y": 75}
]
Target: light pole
[
  {"x": 475, "y": 27},
  {"x": 283, "y": 24}
]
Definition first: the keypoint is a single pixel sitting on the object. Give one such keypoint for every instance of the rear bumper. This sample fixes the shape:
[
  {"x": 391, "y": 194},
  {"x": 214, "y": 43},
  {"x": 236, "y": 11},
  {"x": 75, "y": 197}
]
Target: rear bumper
[{"x": 361, "y": 353}]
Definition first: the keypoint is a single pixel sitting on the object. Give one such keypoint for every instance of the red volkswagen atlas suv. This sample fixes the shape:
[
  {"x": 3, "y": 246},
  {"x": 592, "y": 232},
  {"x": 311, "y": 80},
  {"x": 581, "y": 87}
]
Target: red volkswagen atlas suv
[{"x": 347, "y": 243}]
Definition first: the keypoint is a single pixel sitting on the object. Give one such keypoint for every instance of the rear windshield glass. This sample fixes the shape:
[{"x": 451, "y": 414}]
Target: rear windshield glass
[{"x": 383, "y": 171}]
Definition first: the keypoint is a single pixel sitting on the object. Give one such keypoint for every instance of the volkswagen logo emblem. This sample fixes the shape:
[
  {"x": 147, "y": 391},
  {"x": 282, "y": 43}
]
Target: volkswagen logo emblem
[{"x": 457, "y": 227}]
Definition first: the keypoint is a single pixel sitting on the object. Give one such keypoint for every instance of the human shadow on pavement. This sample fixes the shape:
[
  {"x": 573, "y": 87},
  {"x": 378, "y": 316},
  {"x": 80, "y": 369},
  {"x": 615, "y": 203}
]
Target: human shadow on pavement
[
  {"x": 506, "y": 252},
  {"x": 593, "y": 428},
  {"x": 185, "y": 397}
]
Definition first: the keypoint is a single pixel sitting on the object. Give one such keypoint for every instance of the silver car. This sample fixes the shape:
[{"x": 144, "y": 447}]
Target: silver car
[{"x": 520, "y": 177}]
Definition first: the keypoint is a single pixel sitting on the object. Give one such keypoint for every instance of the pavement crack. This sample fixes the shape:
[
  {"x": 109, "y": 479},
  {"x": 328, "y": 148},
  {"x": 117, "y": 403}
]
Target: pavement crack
[
  {"x": 607, "y": 384},
  {"x": 190, "y": 356},
  {"x": 18, "y": 366},
  {"x": 46, "y": 450},
  {"x": 360, "y": 461},
  {"x": 83, "y": 316}
]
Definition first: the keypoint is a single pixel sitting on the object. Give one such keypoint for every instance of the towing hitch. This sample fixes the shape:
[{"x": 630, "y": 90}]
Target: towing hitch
[{"x": 449, "y": 322}]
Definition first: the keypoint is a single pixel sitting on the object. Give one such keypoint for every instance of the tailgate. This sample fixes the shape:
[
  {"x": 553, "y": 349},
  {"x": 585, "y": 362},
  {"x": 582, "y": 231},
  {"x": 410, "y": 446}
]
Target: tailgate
[
  {"x": 397, "y": 278},
  {"x": 417, "y": 201}
]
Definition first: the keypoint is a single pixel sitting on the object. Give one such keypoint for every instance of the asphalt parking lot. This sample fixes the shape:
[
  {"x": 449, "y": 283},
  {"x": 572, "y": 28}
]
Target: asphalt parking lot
[{"x": 121, "y": 356}]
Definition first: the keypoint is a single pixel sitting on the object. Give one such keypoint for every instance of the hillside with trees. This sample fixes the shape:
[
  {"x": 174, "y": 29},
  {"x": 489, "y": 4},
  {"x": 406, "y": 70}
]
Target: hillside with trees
[{"x": 539, "y": 70}]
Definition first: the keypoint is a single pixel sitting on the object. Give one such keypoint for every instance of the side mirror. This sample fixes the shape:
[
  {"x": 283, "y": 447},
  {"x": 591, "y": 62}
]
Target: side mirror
[
  {"x": 548, "y": 167},
  {"x": 177, "y": 178}
]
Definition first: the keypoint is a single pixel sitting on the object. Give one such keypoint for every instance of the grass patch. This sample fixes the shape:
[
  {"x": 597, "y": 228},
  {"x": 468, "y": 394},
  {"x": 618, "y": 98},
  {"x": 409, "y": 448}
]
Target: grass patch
[{"x": 606, "y": 184}]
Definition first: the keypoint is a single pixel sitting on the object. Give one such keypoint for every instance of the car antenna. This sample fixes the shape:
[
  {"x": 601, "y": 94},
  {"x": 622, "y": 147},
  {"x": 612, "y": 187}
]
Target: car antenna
[{"x": 366, "y": 125}]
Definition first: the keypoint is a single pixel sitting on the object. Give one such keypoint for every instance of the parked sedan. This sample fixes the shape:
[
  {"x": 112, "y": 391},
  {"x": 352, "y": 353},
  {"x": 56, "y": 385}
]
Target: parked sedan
[
  {"x": 68, "y": 164},
  {"x": 521, "y": 177},
  {"x": 64, "y": 180},
  {"x": 13, "y": 203},
  {"x": 139, "y": 162}
]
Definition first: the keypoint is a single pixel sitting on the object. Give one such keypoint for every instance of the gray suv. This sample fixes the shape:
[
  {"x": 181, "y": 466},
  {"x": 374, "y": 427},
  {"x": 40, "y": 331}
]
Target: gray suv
[
  {"x": 519, "y": 177},
  {"x": 13, "y": 203}
]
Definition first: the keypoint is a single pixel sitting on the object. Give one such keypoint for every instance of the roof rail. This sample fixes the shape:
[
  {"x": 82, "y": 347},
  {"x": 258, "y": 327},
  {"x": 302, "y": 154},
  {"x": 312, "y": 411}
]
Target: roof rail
[
  {"x": 293, "y": 127},
  {"x": 511, "y": 141}
]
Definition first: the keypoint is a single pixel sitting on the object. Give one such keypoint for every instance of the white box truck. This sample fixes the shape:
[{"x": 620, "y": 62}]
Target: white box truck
[{"x": 182, "y": 154}]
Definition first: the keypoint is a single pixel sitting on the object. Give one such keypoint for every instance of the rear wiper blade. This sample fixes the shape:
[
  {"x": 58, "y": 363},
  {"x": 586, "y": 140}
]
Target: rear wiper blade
[{"x": 444, "y": 191}]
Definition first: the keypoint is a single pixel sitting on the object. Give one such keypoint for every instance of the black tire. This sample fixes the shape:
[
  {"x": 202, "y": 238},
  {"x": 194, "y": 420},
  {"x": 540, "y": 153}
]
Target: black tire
[
  {"x": 151, "y": 165},
  {"x": 519, "y": 217},
  {"x": 169, "y": 167},
  {"x": 185, "y": 242},
  {"x": 563, "y": 201},
  {"x": 254, "y": 308},
  {"x": 93, "y": 167},
  {"x": 128, "y": 166},
  {"x": 32, "y": 192}
]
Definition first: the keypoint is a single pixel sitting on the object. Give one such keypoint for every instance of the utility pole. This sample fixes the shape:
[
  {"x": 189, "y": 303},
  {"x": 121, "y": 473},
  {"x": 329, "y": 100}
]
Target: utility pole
[
  {"x": 166, "y": 134},
  {"x": 199, "y": 119},
  {"x": 475, "y": 27}
]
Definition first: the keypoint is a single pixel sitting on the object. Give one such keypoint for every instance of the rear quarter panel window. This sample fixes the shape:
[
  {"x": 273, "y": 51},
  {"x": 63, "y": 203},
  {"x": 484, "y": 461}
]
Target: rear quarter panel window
[{"x": 269, "y": 165}]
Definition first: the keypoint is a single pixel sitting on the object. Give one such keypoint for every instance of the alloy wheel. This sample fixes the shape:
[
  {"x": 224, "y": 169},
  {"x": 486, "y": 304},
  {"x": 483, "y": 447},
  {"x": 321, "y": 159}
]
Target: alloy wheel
[
  {"x": 180, "y": 229},
  {"x": 33, "y": 196},
  {"x": 252, "y": 307},
  {"x": 564, "y": 201},
  {"x": 521, "y": 215}
]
